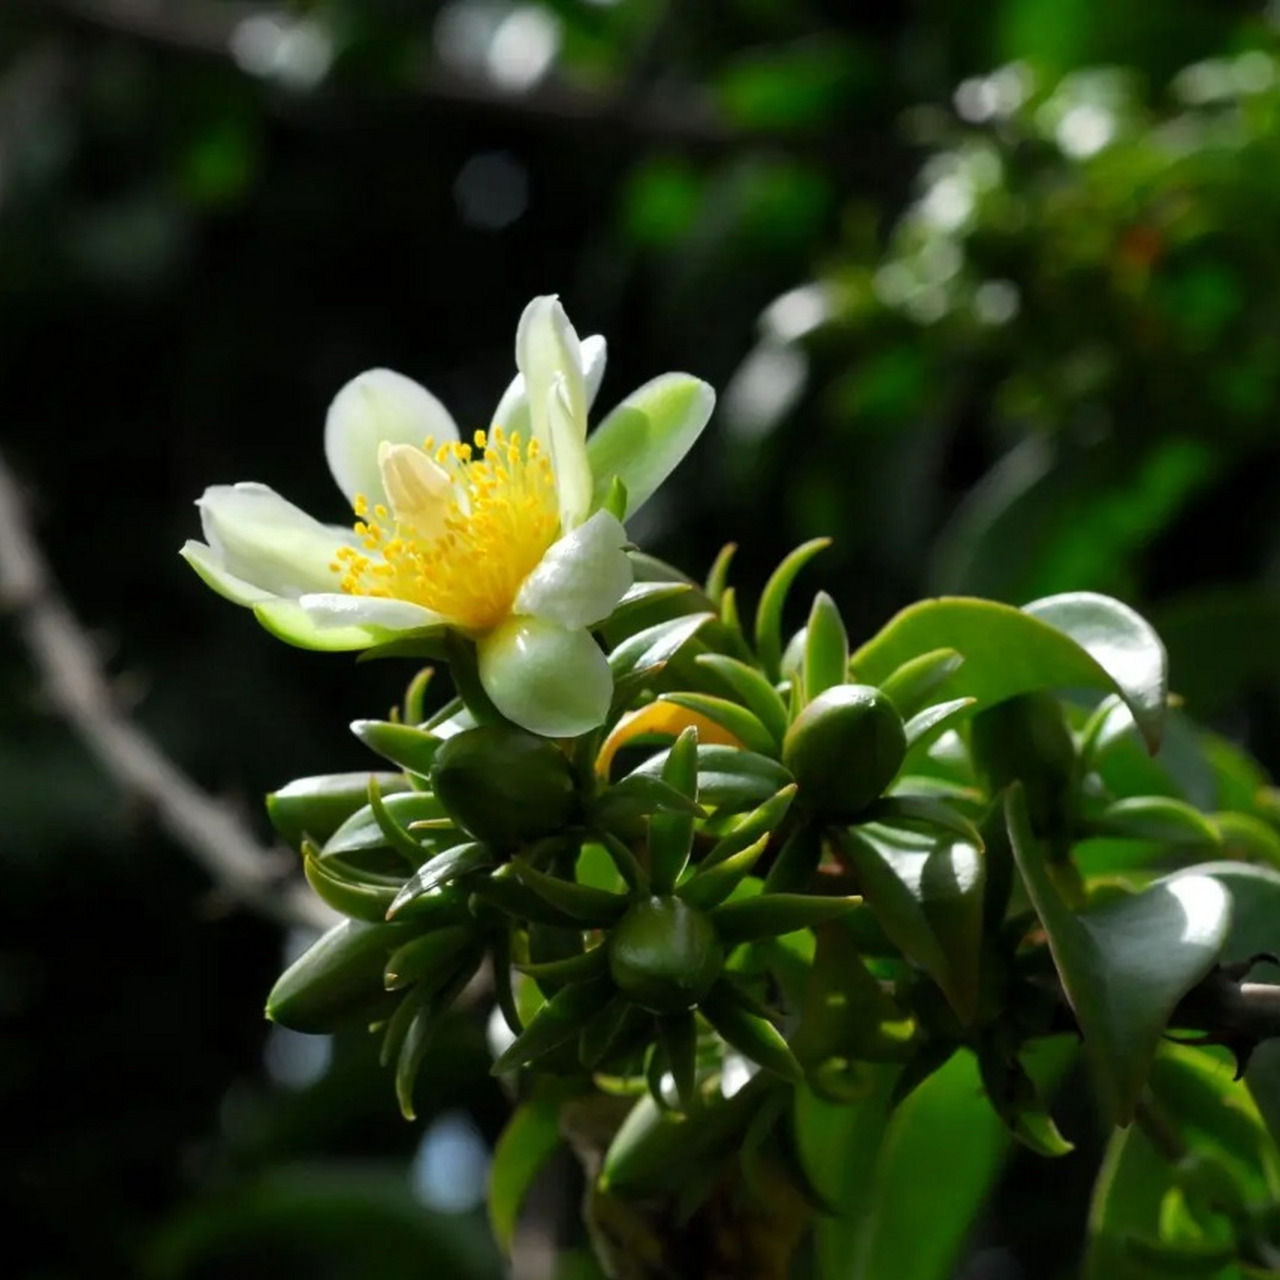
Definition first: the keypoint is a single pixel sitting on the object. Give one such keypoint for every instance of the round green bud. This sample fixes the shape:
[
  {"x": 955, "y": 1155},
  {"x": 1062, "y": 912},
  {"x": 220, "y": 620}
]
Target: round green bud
[
  {"x": 503, "y": 786},
  {"x": 665, "y": 955},
  {"x": 844, "y": 749}
]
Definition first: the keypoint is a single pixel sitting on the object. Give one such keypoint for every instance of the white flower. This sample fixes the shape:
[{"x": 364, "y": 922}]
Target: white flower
[{"x": 504, "y": 538}]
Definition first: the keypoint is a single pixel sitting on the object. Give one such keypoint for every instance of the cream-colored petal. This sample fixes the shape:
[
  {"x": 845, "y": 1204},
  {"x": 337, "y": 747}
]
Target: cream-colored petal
[
  {"x": 208, "y": 564},
  {"x": 259, "y": 537},
  {"x": 547, "y": 679},
  {"x": 379, "y": 405},
  {"x": 582, "y": 576},
  {"x": 336, "y": 609},
  {"x": 288, "y": 621},
  {"x": 547, "y": 349},
  {"x": 569, "y": 459},
  {"x": 512, "y": 413}
]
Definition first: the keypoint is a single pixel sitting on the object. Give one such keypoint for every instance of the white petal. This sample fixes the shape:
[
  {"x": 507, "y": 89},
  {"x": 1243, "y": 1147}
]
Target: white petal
[
  {"x": 336, "y": 609},
  {"x": 288, "y": 621},
  {"x": 208, "y": 564},
  {"x": 512, "y": 413},
  {"x": 259, "y": 537},
  {"x": 375, "y": 406},
  {"x": 549, "y": 680},
  {"x": 547, "y": 349},
  {"x": 644, "y": 439},
  {"x": 582, "y": 576},
  {"x": 569, "y": 460},
  {"x": 418, "y": 488}
]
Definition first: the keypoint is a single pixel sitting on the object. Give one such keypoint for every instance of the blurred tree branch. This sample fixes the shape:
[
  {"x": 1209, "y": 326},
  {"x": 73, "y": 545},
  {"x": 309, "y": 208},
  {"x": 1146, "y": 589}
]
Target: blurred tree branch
[
  {"x": 635, "y": 114},
  {"x": 64, "y": 656}
]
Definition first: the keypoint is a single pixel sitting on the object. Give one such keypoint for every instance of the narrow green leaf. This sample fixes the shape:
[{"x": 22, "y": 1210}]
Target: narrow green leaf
[
  {"x": 912, "y": 685},
  {"x": 655, "y": 646},
  {"x": 718, "y": 578},
  {"x": 763, "y": 821},
  {"x": 711, "y": 885},
  {"x": 1124, "y": 966},
  {"x": 927, "y": 893},
  {"x": 358, "y": 899},
  {"x": 425, "y": 957},
  {"x": 769, "y": 915},
  {"x": 421, "y": 1032},
  {"x": 730, "y": 779},
  {"x": 671, "y": 834},
  {"x": 361, "y": 831},
  {"x": 1158, "y": 818},
  {"x": 558, "y": 1021},
  {"x": 444, "y": 867},
  {"x": 411, "y": 748},
  {"x": 595, "y": 907},
  {"x": 393, "y": 833},
  {"x": 578, "y": 968},
  {"x": 737, "y": 1024},
  {"x": 743, "y": 724},
  {"x": 931, "y": 718},
  {"x": 768, "y": 629},
  {"x": 756, "y": 693},
  {"x": 527, "y": 1142},
  {"x": 826, "y": 647},
  {"x": 318, "y": 806},
  {"x": 678, "y": 1035},
  {"x": 926, "y": 811}
]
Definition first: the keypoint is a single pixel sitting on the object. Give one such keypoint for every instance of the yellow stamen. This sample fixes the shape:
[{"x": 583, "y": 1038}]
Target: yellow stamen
[{"x": 464, "y": 531}]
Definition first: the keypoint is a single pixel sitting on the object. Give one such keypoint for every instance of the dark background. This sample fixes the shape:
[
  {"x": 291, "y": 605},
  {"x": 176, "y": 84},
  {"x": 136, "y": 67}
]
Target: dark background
[{"x": 205, "y": 229}]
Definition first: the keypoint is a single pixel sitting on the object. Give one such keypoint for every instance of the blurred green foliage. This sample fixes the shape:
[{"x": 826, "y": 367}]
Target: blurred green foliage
[{"x": 211, "y": 215}]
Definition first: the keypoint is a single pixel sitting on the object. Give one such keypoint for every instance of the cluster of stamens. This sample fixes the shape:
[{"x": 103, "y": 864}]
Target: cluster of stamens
[{"x": 462, "y": 542}]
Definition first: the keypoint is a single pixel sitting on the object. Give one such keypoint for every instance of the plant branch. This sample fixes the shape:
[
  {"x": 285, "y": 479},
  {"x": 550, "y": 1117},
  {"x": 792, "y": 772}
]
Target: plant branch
[{"x": 64, "y": 657}]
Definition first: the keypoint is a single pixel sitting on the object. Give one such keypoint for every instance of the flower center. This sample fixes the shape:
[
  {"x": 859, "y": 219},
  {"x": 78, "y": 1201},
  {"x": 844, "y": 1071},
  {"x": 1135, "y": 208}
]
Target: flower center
[{"x": 462, "y": 531}]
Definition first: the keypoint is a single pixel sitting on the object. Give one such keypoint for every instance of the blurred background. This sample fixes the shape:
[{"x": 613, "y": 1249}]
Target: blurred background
[{"x": 991, "y": 295}]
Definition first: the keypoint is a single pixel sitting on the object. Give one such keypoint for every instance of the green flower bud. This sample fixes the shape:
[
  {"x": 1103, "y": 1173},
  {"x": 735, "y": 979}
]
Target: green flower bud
[
  {"x": 503, "y": 786},
  {"x": 665, "y": 955},
  {"x": 844, "y": 749}
]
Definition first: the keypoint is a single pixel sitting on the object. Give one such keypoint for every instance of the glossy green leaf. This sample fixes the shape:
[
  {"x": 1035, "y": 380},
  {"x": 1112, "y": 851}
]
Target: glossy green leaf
[
  {"x": 926, "y": 722},
  {"x": 711, "y": 885},
  {"x": 768, "y": 628},
  {"x": 336, "y": 979},
  {"x": 1172, "y": 822},
  {"x": 361, "y": 830},
  {"x": 655, "y": 646},
  {"x": 743, "y": 724},
  {"x": 318, "y": 806},
  {"x": 409, "y": 747},
  {"x": 426, "y": 958},
  {"x": 444, "y": 867},
  {"x": 595, "y": 907},
  {"x": 1125, "y": 965},
  {"x": 927, "y": 893},
  {"x": 1009, "y": 651},
  {"x": 558, "y": 1021},
  {"x": 729, "y": 778},
  {"x": 754, "y": 690},
  {"x": 746, "y": 1031},
  {"x": 911, "y": 687},
  {"x": 925, "y": 811},
  {"x": 527, "y": 1142},
  {"x": 671, "y": 834},
  {"x": 357, "y": 898},
  {"x": 826, "y": 647},
  {"x": 769, "y": 915}
]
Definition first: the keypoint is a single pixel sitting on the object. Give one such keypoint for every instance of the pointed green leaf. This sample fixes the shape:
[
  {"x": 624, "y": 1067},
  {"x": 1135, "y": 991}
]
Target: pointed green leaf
[
  {"x": 927, "y": 893},
  {"x": 411, "y": 748},
  {"x": 743, "y": 724},
  {"x": 361, "y": 830},
  {"x": 754, "y": 691},
  {"x": 678, "y": 1035},
  {"x": 1125, "y": 965},
  {"x": 576, "y": 968},
  {"x": 912, "y": 685},
  {"x": 769, "y": 915},
  {"x": 655, "y": 646},
  {"x": 357, "y": 898},
  {"x": 527, "y": 1142},
  {"x": 420, "y": 1033},
  {"x": 595, "y": 907},
  {"x": 925, "y": 722},
  {"x": 926, "y": 811},
  {"x": 671, "y": 834},
  {"x": 756, "y": 1037},
  {"x": 558, "y": 1021},
  {"x": 426, "y": 958},
  {"x": 318, "y": 806},
  {"x": 1158, "y": 818},
  {"x": 826, "y": 647},
  {"x": 711, "y": 885},
  {"x": 446, "y": 866},
  {"x": 763, "y": 821},
  {"x": 768, "y": 629},
  {"x": 718, "y": 577},
  {"x": 729, "y": 779}
]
